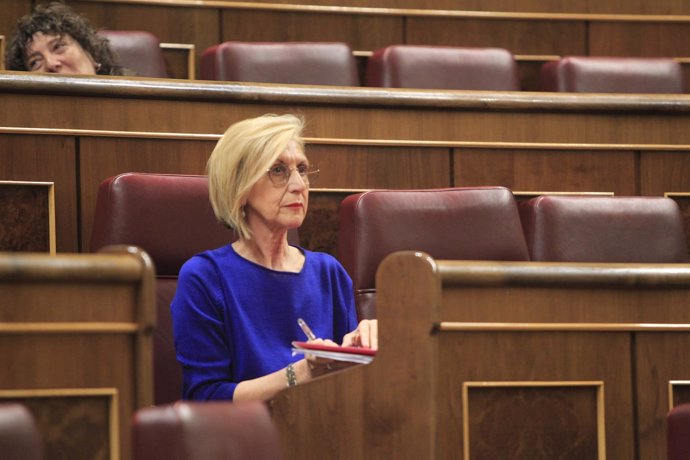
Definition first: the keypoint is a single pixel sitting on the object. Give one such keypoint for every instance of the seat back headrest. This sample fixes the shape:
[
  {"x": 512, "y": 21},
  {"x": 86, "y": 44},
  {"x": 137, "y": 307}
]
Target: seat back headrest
[
  {"x": 299, "y": 63},
  {"x": 19, "y": 435},
  {"x": 604, "y": 229},
  {"x": 137, "y": 51},
  {"x": 590, "y": 74},
  {"x": 460, "y": 223},
  {"x": 442, "y": 67},
  {"x": 205, "y": 431}
]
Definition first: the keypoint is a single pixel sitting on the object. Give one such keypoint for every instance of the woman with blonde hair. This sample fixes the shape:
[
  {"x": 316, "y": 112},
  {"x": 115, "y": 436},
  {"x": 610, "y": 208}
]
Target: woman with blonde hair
[{"x": 236, "y": 307}]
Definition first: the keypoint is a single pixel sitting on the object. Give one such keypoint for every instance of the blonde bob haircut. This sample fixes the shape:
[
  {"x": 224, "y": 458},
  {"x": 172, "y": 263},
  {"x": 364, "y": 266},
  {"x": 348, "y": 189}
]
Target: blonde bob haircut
[{"x": 241, "y": 157}]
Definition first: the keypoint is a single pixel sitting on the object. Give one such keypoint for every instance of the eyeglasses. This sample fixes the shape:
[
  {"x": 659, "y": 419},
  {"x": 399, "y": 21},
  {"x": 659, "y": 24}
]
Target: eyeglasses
[{"x": 280, "y": 174}]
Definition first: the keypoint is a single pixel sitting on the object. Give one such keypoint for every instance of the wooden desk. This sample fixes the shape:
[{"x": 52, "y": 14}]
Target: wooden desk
[
  {"x": 77, "y": 131},
  {"x": 75, "y": 341},
  {"x": 27, "y": 216},
  {"x": 486, "y": 359}
]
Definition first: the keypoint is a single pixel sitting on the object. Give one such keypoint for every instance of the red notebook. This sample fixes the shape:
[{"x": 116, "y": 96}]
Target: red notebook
[{"x": 350, "y": 354}]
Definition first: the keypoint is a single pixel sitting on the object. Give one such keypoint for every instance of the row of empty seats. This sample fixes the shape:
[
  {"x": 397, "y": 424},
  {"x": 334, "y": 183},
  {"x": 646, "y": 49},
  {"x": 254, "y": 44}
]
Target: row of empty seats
[
  {"x": 402, "y": 66},
  {"x": 170, "y": 217},
  {"x": 488, "y": 224},
  {"x": 433, "y": 67}
]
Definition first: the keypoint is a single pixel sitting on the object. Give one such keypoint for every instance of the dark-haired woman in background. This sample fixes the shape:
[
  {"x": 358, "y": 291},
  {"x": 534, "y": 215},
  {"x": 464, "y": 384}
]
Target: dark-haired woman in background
[{"x": 55, "y": 39}]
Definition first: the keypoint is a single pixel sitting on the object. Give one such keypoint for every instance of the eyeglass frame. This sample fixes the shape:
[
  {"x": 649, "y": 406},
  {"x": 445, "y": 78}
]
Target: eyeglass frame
[{"x": 285, "y": 179}]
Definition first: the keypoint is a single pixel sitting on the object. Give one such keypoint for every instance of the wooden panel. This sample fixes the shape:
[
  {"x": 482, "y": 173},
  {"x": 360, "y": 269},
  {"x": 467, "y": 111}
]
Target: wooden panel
[
  {"x": 662, "y": 7},
  {"x": 79, "y": 326},
  {"x": 173, "y": 24},
  {"x": 46, "y": 159},
  {"x": 548, "y": 170},
  {"x": 680, "y": 392},
  {"x": 27, "y": 216},
  {"x": 105, "y": 157},
  {"x": 180, "y": 60},
  {"x": 359, "y": 31},
  {"x": 518, "y": 36},
  {"x": 131, "y": 115},
  {"x": 319, "y": 232},
  {"x": 685, "y": 67},
  {"x": 528, "y": 74},
  {"x": 663, "y": 172},
  {"x": 12, "y": 10},
  {"x": 364, "y": 167},
  {"x": 505, "y": 419},
  {"x": 348, "y": 113},
  {"x": 639, "y": 39},
  {"x": 506, "y": 357},
  {"x": 57, "y": 412}
]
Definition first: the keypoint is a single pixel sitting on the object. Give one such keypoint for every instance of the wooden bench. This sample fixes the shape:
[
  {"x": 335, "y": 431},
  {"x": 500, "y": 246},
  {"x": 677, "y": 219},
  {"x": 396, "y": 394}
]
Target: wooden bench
[
  {"x": 75, "y": 341},
  {"x": 482, "y": 359}
]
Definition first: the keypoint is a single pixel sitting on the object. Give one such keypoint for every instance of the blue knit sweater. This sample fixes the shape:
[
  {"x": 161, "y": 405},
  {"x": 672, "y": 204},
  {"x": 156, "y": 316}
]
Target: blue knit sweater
[{"x": 234, "y": 320}]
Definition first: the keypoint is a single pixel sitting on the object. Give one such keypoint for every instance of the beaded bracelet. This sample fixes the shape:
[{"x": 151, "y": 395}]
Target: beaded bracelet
[{"x": 291, "y": 376}]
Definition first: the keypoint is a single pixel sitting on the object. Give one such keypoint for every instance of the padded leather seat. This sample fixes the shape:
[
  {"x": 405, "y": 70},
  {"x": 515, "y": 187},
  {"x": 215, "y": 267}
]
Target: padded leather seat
[
  {"x": 301, "y": 63},
  {"x": 19, "y": 436},
  {"x": 589, "y": 74},
  {"x": 442, "y": 67},
  {"x": 167, "y": 215},
  {"x": 678, "y": 433},
  {"x": 459, "y": 223},
  {"x": 170, "y": 217},
  {"x": 604, "y": 229},
  {"x": 137, "y": 51},
  {"x": 205, "y": 431}
]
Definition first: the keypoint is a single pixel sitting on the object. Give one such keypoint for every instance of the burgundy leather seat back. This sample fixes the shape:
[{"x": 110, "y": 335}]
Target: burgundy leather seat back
[
  {"x": 612, "y": 75},
  {"x": 678, "y": 433},
  {"x": 459, "y": 223},
  {"x": 19, "y": 436},
  {"x": 170, "y": 217},
  {"x": 137, "y": 51},
  {"x": 205, "y": 431},
  {"x": 604, "y": 229},
  {"x": 300, "y": 63},
  {"x": 167, "y": 215},
  {"x": 442, "y": 67}
]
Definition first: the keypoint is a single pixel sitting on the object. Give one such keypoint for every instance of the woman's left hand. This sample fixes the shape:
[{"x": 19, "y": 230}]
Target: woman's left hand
[{"x": 366, "y": 335}]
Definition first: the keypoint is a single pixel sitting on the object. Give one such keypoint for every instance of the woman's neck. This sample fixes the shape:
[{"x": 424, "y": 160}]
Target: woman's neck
[{"x": 271, "y": 251}]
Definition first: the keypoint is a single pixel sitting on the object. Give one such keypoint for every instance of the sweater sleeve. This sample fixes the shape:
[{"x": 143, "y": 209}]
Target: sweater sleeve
[{"x": 201, "y": 344}]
